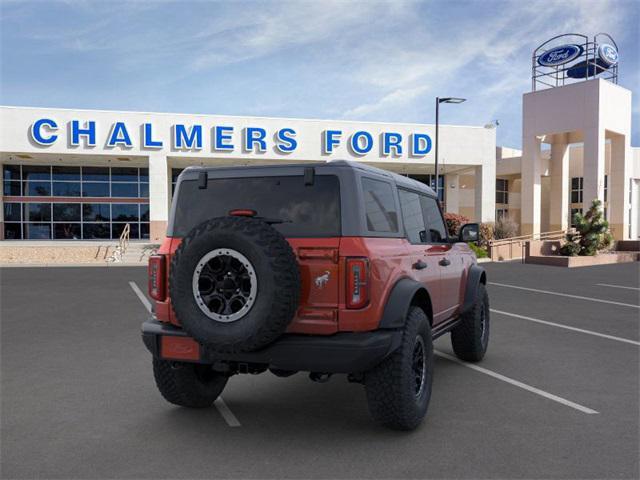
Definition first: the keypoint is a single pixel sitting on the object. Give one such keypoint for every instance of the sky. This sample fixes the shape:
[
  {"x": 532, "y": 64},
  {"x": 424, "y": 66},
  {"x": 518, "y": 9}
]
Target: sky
[{"x": 345, "y": 60}]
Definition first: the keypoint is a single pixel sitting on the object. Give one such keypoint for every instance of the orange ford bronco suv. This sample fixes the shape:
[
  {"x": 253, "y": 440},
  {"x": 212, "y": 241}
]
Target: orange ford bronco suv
[{"x": 326, "y": 268}]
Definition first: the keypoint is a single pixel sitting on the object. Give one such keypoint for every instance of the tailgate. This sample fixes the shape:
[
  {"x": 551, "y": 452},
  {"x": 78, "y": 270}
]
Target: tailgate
[{"x": 318, "y": 259}]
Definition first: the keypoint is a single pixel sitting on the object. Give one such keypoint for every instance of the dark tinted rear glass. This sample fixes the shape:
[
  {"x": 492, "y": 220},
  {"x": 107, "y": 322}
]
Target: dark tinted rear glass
[{"x": 308, "y": 210}]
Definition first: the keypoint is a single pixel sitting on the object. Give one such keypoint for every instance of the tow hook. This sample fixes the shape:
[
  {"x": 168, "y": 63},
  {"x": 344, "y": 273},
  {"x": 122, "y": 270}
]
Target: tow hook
[{"x": 319, "y": 377}]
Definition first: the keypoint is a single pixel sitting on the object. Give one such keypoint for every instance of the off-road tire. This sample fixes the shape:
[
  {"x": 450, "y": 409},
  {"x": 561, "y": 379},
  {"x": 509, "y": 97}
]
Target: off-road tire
[
  {"x": 188, "y": 384},
  {"x": 391, "y": 387},
  {"x": 278, "y": 283},
  {"x": 469, "y": 339}
]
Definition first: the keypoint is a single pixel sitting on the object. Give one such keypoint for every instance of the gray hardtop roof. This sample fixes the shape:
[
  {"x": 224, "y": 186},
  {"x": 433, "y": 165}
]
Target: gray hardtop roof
[{"x": 398, "y": 179}]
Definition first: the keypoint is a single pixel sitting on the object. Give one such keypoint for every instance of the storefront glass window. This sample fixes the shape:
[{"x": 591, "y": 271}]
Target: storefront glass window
[
  {"x": 66, "y": 189},
  {"x": 175, "y": 173},
  {"x": 576, "y": 190},
  {"x": 502, "y": 190},
  {"x": 124, "y": 190},
  {"x": 12, "y": 189},
  {"x": 91, "y": 231},
  {"x": 13, "y": 231},
  {"x": 124, "y": 212},
  {"x": 66, "y": 212},
  {"x": 95, "y": 174},
  {"x": 66, "y": 173},
  {"x": 37, "y": 231},
  {"x": 36, "y": 172},
  {"x": 12, "y": 212},
  {"x": 96, "y": 212},
  {"x": 58, "y": 218},
  {"x": 69, "y": 231},
  {"x": 37, "y": 212},
  {"x": 37, "y": 189}
]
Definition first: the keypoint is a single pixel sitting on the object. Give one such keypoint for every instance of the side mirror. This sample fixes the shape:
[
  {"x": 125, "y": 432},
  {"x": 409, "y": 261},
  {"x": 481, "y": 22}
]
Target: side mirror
[{"x": 469, "y": 232}]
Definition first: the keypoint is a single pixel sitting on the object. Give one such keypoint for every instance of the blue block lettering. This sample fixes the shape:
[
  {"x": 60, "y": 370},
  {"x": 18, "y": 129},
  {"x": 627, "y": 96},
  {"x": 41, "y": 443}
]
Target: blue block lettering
[
  {"x": 37, "y": 134},
  {"x": 89, "y": 131},
  {"x": 286, "y": 141}
]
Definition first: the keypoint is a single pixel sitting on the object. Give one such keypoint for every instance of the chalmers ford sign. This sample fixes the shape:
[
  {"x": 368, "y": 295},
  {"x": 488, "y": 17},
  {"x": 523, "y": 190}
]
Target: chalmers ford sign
[{"x": 222, "y": 138}]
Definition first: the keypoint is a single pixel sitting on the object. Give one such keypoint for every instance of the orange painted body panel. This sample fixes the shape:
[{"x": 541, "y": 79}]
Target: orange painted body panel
[
  {"x": 318, "y": 258},
  {"x": 322, "y": 262}
]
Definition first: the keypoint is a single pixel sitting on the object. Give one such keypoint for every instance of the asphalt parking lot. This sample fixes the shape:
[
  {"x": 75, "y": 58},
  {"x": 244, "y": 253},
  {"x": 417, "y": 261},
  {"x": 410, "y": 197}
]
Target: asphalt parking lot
[{"x": 556, "y": 397}]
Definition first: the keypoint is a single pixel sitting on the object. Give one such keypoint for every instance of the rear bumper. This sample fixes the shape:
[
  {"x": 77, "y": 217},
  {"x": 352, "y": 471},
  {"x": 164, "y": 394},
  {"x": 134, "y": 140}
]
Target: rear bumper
[{"x": 339, "y": 353}]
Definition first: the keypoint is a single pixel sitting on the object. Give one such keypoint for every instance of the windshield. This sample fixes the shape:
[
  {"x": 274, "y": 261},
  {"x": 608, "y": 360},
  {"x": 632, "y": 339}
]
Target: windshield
[{"x": 305, "y": 210}]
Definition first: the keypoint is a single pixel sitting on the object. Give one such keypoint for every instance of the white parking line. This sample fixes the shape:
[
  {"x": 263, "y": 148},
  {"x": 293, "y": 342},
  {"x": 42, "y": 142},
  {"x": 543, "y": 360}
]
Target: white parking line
[
  {"x": 225, "y": 412},
  {"x": 566, "y": 327},
  {"x": 590, "y": 299},
  {"x": 616, "y": 286},
  {"x": 518, "y": 384},
  {"x": 145, "y": 301}
]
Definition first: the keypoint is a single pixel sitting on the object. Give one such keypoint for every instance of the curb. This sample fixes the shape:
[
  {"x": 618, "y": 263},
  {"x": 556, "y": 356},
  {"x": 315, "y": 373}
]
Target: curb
[{"x": 68, "y": 265}]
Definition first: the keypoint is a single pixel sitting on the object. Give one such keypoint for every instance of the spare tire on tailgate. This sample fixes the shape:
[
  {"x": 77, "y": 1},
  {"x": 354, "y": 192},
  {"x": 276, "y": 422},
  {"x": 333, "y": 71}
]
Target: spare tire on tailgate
[{"x": 234, "y": 284}]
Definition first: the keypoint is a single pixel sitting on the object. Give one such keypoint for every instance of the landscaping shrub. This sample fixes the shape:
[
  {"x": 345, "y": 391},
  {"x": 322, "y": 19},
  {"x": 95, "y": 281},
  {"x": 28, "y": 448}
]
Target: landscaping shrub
[
  {"x": 486, "y": 233},
  {"x": 505, "y": 227},
  {"x": 454, "y": 222},
  {"x": 592, "y": 233},
  {"x": 479, "y": 251}
]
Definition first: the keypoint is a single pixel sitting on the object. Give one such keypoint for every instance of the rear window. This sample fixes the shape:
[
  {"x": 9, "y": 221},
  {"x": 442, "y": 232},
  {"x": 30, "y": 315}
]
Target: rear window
[{"x": 306, "y": 210}]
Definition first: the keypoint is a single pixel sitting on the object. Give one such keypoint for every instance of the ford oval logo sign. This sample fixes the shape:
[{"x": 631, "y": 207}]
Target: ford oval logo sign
[
  {"x": 560, "y": 55},
  {"x": 608, "y": 54}
]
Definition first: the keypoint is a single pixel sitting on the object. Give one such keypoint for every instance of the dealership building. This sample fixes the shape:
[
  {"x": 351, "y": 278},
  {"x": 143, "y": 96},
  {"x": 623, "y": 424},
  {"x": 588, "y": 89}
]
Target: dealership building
[{"x": 85, "y": 174}]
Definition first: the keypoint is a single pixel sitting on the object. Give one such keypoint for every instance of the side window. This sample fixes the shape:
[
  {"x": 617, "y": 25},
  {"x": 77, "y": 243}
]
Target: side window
[
  {"x": 380, "y": 206},
  {"x": 437, "y": 232},
  {"x": 412, "y": 216}
]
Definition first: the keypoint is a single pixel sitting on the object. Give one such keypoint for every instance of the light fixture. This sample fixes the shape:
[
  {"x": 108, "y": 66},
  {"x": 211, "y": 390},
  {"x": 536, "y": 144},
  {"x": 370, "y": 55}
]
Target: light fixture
[{"x": 451, "y": 100}]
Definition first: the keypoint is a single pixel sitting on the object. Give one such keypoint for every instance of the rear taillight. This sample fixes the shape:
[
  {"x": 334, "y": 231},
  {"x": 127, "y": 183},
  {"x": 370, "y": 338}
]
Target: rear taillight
[
  {"x": 357, "y": 282},
  {"x": 157, "y": 276}
]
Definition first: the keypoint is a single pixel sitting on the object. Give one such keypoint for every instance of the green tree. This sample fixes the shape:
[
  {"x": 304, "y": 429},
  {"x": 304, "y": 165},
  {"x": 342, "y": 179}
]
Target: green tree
[{"x": 592, "y": 233}]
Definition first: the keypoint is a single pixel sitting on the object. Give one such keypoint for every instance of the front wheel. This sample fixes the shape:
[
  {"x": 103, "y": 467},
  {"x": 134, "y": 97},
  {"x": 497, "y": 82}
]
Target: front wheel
[
  {"x": 470, "y": 338},
  {"x": 399, "y": 388},
  {"x": 188, "y": 384}
]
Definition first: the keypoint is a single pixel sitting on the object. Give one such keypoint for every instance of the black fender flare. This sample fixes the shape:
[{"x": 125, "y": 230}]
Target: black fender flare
[
  {"x": 476, "y": 276},
  {"x": 399, "y": 301}
]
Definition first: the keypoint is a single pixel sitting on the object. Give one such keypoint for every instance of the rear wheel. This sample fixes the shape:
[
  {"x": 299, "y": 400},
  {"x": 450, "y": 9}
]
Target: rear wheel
[
  {"x": 188, "y": 384},
  {"x": 470, "y": 338},
  {"x": 399, "y": 388}
]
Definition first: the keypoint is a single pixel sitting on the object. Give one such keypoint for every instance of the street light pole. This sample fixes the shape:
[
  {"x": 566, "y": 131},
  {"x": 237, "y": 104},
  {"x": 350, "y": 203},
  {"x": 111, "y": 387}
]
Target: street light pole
[
  {"x": 437, "y": 143},
  {"x": 438, "y": 102}
]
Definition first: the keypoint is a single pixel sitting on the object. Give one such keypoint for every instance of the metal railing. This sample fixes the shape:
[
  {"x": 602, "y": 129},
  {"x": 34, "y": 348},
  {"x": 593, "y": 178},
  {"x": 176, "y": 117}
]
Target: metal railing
[
  {"x": 123, "y": 243},
  {"x": 554, "y": 235},
  {"x": 517, "y": 245}
]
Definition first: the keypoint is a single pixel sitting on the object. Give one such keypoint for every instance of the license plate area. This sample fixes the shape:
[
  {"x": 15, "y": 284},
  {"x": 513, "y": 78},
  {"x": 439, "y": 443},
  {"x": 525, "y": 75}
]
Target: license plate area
[{"x": 179, "y": 348}]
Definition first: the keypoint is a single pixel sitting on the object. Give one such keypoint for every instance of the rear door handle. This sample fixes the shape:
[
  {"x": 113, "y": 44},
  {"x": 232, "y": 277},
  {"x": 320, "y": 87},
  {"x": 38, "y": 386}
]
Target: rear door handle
[
  {"x": 419, "y": 265},
  {"x": 445, "y": 262}
]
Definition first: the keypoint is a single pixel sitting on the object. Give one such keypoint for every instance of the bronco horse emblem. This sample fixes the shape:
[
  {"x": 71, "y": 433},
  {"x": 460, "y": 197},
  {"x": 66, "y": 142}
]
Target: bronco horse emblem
[{"x": 323, "y": 279}]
